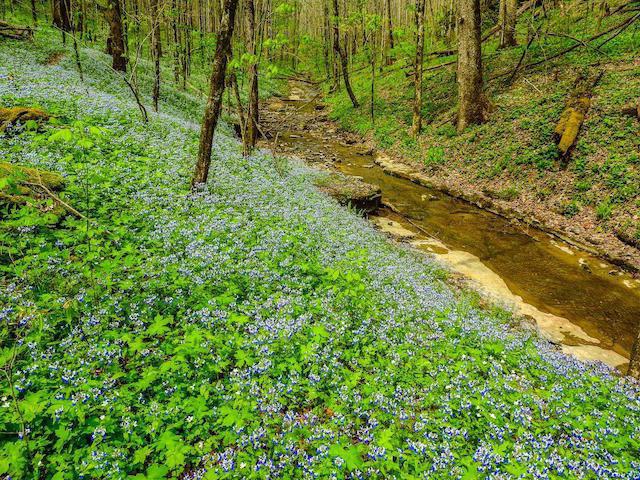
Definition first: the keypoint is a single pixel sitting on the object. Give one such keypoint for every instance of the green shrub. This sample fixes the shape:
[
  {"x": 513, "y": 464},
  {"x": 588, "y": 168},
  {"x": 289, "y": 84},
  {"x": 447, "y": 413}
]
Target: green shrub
[
  {"x": 583, "y": 185},
  {"x": 604, "y": 210},
  {"x": 571, "y": 208},
  {"x": 434, "y": 156}
]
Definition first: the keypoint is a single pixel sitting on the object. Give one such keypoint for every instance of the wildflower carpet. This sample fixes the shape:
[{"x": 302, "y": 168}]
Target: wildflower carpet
[{"x": 254, "y": 329}]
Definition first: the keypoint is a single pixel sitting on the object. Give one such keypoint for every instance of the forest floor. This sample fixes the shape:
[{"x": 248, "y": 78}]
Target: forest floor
[
  {"x": 511, "y": 163},
  {"x": 253, "y": 329}
]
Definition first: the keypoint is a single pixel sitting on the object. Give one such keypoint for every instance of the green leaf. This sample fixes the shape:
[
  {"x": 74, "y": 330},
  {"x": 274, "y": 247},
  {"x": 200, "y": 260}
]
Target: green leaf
[
  {"x": 140, "y": 456},
  {"x": 62, "y": 135},
  {"x": 384, "y": 438},
  {"x": 157, "y": 472},
  {"x": 159, "y": 326}
]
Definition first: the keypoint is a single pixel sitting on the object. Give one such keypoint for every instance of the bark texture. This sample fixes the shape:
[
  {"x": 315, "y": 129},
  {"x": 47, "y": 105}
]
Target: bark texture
[
  {"x": 216, "y": 91},
  {"x": 390, "y": 42},
  {"x": 471, "y": 100},
  {"x": 254, "y": 109},
  {"x": 156, "y": 52},
  {"x": 416, "y": 126},
  {"x": 341, "y": 53},
  {"x": 115, "y": 43},
  {"x": 61, "y": 14},
  {"x": 508, "y": 19}
]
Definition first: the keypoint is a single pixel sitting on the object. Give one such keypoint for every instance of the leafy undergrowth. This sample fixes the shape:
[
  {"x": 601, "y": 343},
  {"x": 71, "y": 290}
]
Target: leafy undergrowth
[
  {"x": 598, "y": 187},
  {"x": 254, "y": 329}
]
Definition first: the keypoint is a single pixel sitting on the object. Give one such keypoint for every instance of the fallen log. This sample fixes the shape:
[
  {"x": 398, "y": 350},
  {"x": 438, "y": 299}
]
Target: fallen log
[
  {"x": 14, "y": 32},
  {"x": 30, "y": 186},
  {"x": 577, "y": 106},
  {"x": 10, "y": 117}
]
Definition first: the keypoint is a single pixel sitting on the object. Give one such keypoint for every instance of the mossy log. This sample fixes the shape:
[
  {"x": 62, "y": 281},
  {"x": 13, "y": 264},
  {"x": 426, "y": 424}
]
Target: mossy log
[
  {"x": 568, "y": 127},
  {"x": 26, "y": 177},
  {"x": 30, "y": 186},
  {"x": 14, "y": 32},
  {"x": 15, "y": 115}
]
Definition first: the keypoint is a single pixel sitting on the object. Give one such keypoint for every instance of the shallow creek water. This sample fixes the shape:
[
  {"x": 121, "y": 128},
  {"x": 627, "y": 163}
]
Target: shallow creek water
[{"x": 580, "y": 301}]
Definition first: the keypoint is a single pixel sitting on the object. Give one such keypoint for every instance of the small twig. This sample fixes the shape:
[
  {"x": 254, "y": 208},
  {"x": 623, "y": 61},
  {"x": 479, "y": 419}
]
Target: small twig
[
  {"x": 621, "y": 26},
  {"x": 522, "y": 57},
  {"x": 67, "y": 207}
]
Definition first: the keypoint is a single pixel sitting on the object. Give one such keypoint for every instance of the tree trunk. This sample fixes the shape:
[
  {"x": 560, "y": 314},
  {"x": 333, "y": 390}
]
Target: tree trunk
[
  {"x": 326, "y": 44},
  {"x": 254, "y": 113},
  {"x": 508, "y": 19},
  {"x": 61, "y": 16},
  {"x": 233, "y": 84},
  {"x": 216, "y": 91},
  {"x": 471, "y": 101},
  {"x": 389, "y": 32},
  {"x": 156, "y": 51},
  {"x": 176, "y": 42},
  {"x": 417, "y": 102},
  {"x": 341, "y": 53},
  {"x": 34, "y": 12},
  {"x": 115, "y": 42}
]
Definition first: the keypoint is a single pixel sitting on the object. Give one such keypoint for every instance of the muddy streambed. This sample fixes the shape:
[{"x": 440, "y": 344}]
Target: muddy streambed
[{"x": 587, "y": 305}]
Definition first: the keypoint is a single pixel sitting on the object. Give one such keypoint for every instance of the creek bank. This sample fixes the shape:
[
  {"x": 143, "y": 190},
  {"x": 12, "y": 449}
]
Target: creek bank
[
  {"x": 570, "y": 338},
  {"x": 620, "y": 255},
  {"x": 586, "y": 306}
]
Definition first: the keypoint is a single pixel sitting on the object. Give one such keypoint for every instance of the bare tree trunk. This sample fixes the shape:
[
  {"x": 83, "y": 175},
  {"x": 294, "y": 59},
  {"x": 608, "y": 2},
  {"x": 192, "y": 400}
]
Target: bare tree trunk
[
  {"x": 34, "y": 12},
  {"x": 176, "y": 42},
  {"x": 61, "y": 16},
  {"x": 326, "y": 44},
  {"x": 254, "y": 113},
  {"x": 508, "y": 21},
  {"x": 116, "y": 44},
  {"x": 342, "y": 54},
  {"x": 335, "y": 70},
  {"x": 389, "y": 32},
  {"x": 373, "y": 87},
  {"x": 216, "y": 91},
  {"x": 417, "y": 102},
  {"x": 156, "y": 51},
  {"x": 471, "y": 102},
  {"x": 233, "y": 84}
]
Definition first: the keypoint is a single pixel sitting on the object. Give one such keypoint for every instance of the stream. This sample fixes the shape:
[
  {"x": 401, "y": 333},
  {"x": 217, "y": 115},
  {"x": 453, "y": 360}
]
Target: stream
[{"x": 587, "y": 305}]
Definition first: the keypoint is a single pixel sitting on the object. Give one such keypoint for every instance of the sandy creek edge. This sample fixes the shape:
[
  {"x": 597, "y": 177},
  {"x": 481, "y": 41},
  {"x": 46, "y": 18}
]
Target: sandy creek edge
[{"x": 492, "y": 287}]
